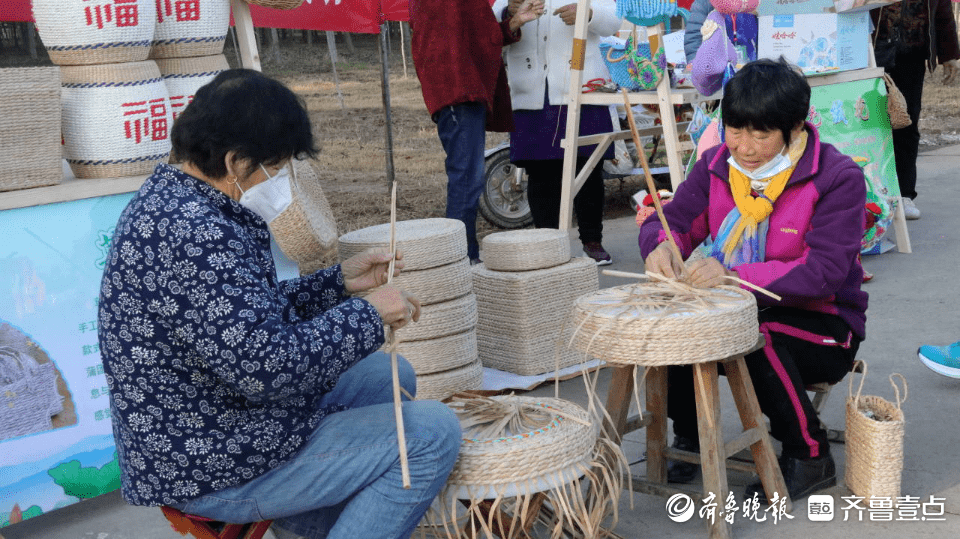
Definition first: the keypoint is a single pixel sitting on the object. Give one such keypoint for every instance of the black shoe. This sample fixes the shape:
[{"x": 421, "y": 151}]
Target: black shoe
[
  {"x": 679, "y": 471},
  {"x": 802, "y": 476}
]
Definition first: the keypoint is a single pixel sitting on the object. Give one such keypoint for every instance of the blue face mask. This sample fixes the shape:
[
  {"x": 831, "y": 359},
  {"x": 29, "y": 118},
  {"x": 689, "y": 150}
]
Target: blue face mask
[{"x": 767, "y": 170}]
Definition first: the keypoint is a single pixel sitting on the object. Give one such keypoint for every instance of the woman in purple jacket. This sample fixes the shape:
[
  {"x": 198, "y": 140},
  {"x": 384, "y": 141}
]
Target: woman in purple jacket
[{"x": 781, "y": 209}]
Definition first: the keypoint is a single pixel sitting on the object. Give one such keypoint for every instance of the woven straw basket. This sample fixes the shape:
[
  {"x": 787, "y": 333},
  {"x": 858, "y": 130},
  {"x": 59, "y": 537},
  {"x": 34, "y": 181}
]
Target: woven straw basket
[
  {"x": 307, "y": 229},
  {"x": 665, "y": 323},
  {"x": 530, "y": 460},
  {"x": 184, "y": 76},
  {"x": 198, "y": 31},
  {"x": 874, "y": 441},
  {"x": 277, "y": 4},
  {"x": 442, "y": 319},
  {"x": 438, "y": 355},
  {"x": 116, "y": 119},
  {"x": 425, "y": 243},
  {"x": 436, "y": 285},
  {"x": 526, "y": 249},
  {"x": 520, "y": 315},
  {"x": 82, "y": 33},
  {"x": 30, "y": 128},
  {"x": 440, "y": 385}
]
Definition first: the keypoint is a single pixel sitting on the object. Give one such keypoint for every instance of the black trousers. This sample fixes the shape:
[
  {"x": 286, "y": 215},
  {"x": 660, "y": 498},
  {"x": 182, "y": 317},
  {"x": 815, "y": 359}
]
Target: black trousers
[
  {"x": 908, "y": 75},
  {"x": 802, "y": 347},
  {"x": 544, "y": 181}
]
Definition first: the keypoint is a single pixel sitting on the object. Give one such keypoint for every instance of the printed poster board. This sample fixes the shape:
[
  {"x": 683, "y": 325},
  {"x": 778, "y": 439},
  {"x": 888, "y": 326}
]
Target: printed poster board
[{"x": 56, "y": 440}]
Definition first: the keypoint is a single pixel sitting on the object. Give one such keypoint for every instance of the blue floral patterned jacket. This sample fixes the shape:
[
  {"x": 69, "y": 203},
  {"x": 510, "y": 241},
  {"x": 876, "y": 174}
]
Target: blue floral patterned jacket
[{"x": 215, "y": 367}]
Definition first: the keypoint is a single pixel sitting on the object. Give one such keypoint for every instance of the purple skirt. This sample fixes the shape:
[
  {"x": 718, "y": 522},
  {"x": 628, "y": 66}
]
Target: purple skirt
[{"x": 538, "y": 133}]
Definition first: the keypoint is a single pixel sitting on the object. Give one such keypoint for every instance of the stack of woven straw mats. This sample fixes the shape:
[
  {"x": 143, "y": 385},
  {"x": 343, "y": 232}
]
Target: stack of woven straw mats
[
  {"x": 442, "y": 345},
  {"x": 525, "y": 292},
  {"x": 29, "y": 128},
  {"x": 118, "y": 103}
]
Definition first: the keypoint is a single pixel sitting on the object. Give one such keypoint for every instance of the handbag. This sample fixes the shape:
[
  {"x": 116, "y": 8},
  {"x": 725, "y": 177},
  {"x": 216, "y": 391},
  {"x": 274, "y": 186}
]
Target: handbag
[
  {"x": 896, "y": 105},
  {"x": 635, "y": 66},
  {"x": 649, "y": 12},
  {"x": 874, "y": 441}
]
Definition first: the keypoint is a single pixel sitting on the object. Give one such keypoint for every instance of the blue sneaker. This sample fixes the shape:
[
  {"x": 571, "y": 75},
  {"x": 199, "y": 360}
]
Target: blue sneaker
[{"x": 942, "y": 359}]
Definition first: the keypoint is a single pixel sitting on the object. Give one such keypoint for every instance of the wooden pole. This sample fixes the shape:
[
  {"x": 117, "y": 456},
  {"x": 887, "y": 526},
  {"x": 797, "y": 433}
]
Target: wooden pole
[
  {"x": 385, "y": 89},
  {"x": 397, "y": 403},
  {"x": 651, "y": 188}
]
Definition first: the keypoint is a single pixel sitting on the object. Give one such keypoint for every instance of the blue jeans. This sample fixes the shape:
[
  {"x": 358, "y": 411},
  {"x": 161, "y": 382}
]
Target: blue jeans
[
  {"x": 462, "y": 130},
  {"x": 346, "y": 482}
]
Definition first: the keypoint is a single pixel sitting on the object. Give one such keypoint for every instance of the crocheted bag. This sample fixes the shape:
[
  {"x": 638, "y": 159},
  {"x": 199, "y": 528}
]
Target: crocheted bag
[
  {"x": 616, "y": 56},
  {"x": 649, "y": 12},
  {"x": 715, "y": 57},
  {"x": 635, "y": 66},
  {"x": 728, "y": 7}
]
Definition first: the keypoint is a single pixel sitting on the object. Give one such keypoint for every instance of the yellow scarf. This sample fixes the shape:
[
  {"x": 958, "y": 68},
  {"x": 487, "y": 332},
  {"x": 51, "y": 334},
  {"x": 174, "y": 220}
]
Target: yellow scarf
[{"x": 755, "y": 209}]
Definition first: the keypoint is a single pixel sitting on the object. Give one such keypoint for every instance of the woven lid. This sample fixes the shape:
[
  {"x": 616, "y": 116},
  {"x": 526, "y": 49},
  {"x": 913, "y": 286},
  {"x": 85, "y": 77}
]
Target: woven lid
[
  {"x": 307, "y": 229},
  {"x": 442, "y": 319},
  {"x": 435, "y": 285},
  {"x": 526, "y": 249},
  {"x": 513, "y": 444},
  {"x": 440, "y": 385},
  {"x": 442, "y": 354},
  {"x": 425, "y": 243},
  {"x": 665, "y": 323}
]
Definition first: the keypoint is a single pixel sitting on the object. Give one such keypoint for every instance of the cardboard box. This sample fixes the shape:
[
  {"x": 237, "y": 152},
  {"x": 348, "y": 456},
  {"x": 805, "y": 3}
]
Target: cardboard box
[
  {"x": 818, "y": 43},
  {"x": 794, "y": 7}
]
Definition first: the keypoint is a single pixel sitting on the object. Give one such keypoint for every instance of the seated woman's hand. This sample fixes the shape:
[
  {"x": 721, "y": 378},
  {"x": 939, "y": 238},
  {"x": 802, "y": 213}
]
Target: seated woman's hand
[
  {"x": 708, "y": 273},
  {"x": 368, "y": 270},
  {"x": 662, "y": 260},
  {"x": 396, "y": 307}
]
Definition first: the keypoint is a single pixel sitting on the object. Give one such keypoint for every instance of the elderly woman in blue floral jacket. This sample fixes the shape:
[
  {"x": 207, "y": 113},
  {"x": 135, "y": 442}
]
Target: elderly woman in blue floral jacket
[{"x": 237, "y": 396}]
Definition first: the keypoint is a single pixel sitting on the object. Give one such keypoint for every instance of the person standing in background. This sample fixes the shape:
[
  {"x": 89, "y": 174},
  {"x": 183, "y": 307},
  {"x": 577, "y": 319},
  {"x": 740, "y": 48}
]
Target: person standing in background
[
  {"x": 456, "y": 49},
  {"x": 538, "y": 67},
  {"x": 912, "y": 35}
]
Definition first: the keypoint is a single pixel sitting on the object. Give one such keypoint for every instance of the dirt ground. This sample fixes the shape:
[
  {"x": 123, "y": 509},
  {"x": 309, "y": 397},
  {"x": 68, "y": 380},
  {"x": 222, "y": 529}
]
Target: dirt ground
[{"x": 348, "y": 113}]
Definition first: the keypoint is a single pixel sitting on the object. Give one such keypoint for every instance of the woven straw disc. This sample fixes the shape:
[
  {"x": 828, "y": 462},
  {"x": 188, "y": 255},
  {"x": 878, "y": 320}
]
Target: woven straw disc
[
  {"x": 442, "y": 319},
  {"x": 307, "y": 229},
  {"x": 650, "y": 324},
  {"x": 440, "y": 385},
  {"x": 438, "y": 355},
  {"x": 30, "y": 127},
  {"x": 513, "y": 460},
  {"x": 425, "y": 243},
  {"x": 874, "y": 448},
  {"x": 526, "y": 249},
  {"x": 435, "y": 285},
  {"x": 520, "y": 315}
]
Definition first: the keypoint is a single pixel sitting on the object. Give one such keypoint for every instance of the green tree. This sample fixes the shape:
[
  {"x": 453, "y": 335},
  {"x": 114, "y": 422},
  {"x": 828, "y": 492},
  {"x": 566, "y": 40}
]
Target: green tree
[{"x": 86, "y": 482}]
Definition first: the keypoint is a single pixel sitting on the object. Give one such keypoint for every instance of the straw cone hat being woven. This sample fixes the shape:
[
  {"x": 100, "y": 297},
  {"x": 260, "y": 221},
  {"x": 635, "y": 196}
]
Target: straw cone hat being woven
[
  {"x": 655, "y": 323},
  {"x": 306, "y": 230}
]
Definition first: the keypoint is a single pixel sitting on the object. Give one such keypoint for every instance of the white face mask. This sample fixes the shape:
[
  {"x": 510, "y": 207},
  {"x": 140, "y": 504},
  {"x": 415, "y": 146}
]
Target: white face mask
[
  {"x": 767, "y": 170},
  {"x": 269, "y": 198}
]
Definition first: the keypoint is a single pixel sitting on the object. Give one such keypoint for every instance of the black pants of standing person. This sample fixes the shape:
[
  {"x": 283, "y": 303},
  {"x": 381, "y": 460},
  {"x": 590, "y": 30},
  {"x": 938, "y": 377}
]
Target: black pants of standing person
[
  {"x": 544, "y": 182},
  {"x": 802, "y": 347},
  {"x": 908, "y": 75}
]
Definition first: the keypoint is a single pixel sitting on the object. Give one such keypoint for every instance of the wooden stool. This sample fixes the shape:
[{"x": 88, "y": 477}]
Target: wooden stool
[
  {"x": 714, "y": 452},
  {"x": 204, "y": 528}
]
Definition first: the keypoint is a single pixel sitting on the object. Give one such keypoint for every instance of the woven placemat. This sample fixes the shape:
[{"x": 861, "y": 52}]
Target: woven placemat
[
  {"x": 30, "y": 127},
  {"x": 559, "y": 435},
  {"x": 425, "y": 243},
  {"x": 656, "y": 323},
  {"x": 442, "y": 319},
  {"x": 201, "y": 33},
  {"x": 443, "y": 354},
  {"x": 526, "y": 249},
  {"x": 440, "y": 385},
  {"x": 85, "y": 33},
  {"x": 436, "y": 285},
  {"x": 522, "y": 316},
  {"x": 116, "y": 119},
  {"x": 307, "y": 229}
]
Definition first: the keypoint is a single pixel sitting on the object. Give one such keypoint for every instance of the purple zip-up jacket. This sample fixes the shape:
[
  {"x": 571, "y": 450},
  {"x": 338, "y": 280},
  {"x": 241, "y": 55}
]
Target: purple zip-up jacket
[{"x": 814, "y": 235}]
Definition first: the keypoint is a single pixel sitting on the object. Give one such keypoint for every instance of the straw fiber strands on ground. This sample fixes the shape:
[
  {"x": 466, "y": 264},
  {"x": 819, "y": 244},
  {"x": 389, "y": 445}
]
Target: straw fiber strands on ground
[{"x": 520, "y": 451}]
